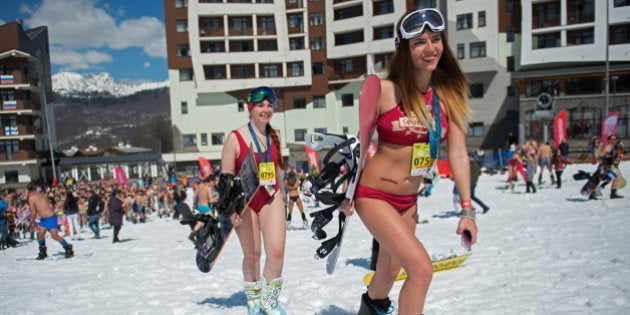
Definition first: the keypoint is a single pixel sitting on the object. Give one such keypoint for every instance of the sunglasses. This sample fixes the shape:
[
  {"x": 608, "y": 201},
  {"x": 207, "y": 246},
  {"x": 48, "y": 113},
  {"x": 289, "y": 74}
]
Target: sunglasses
[
  {"x": 257, "y": 95},
  {"x": 414, "y": 23}
]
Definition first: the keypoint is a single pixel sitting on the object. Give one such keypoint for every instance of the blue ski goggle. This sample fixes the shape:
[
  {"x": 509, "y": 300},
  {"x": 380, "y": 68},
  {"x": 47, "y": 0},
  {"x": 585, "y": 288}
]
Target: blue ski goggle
[
  {"x": 258, "y": 94},
  {"x": 414, "y": 23}
]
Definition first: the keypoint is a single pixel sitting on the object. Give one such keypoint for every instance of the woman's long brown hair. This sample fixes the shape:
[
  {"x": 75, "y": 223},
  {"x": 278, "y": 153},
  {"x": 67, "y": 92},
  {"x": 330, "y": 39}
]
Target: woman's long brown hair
[
  {"x": 448, "y": 81},
  {"x": 276, "y": 140}
]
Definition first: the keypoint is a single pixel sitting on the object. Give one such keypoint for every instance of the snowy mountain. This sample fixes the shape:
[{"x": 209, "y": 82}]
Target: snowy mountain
[{"x": 70, "y": 84}]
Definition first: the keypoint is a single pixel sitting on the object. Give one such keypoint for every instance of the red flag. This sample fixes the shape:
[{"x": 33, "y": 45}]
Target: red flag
[
  {"x": 313, "y": 158},
  {"x": 609, "y": 126},
  {"x": 560, "y": 127}
]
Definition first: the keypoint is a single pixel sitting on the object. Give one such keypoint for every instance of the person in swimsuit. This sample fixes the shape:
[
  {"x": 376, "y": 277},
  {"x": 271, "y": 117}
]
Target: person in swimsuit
[
  {"x": 423, "y": 102},
  {"x": 266, "y": 214},
  {"x": 41, "y": 207},
  {"x": 293, "y": 184}
]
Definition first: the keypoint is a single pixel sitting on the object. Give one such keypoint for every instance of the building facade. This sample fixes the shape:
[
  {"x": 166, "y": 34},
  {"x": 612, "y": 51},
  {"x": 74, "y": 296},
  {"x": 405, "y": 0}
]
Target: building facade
[
  {"x": 315, "y": 54},
  {"x": 26, "y": 138},
  {"x": 577, "y": 52}
]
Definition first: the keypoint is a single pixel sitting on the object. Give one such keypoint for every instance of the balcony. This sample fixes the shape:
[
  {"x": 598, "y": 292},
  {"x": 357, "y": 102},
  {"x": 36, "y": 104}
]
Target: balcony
[
  {"x": 579, "y": 17},
  {"x": 10, "y": 131},
  {"x": 18, "y": 105},
  {"x": 547, "y": 20},
  {"x": 16, "y": 78},
  {"x": 19, "y": 156}
]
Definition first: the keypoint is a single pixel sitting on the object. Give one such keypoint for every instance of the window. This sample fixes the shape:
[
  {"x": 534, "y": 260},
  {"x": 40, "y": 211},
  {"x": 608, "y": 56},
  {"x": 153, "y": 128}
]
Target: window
[
  {"x": 461, "y": 51},
  {"x": 315, "y": 19},
  {"x": 547, "y": 40},
  {"x": 318, "y": 68},
  {"x": 267, "y": 45},
  {"x": 481, "y": 18},
  {"x": 345, "y": 130},
  {"x": 212, "y": 47},
  {"x": 383, "y": 7},
  {"x": 185, "y": 74},
  {"x": 620, "y": 34},
  {"x": 184, "y": 106},
  {"x": 475, "y": 129},
  {"x": 510, "y": 34},
  {"x": 242, "y": 71},
  {"x": 511, "y": 90},
  {"x": 581, "y": 36},
  {"x": 464, "y": 21},
  {"x": 241, "y": 45},
  {"x": 384, "y": 32},
  {"x": 300, "y": 134},
  {"x": 296, "y": 43},
  {"x": 183, "y": 50},
  {"x": 347, "y": 99},
  {"x": 241, "y": 24},
  {"x": 321, "y": 130},
  {"x": 204, "y": 139},
  {"x": 622, "y": 3},
  {"x": 319, "y": 101},
  {"x": 295, "y": 21},
  {"x": 181, "y": 3},
  {"x": 270, "y": 70},
  {"x": 11, "y": 177},
  {"x": 181, "y": 26},
  {"x": 419, "y": 4},
  {"x": 297, "y": 69},
  {"x": 347, "y": 66},
  {"x": 241, "y": 105},
  {"x": 584, "y": 85},
  {"x": 317, "y": 43},
  {"x": 510, "y": 63},
  {"x": 215, "y": 72},
  {"x": 476, "y": 90},
  {"x": 509, "y": 5},
  {"x": 189, "y": 140},
  {"x": 535, "y": 88},
  {"x": 299, "y": 102},
  {"x": 217, "y": 138},
  {"x": 7, "y": 95},
  {"x": 266, "y": 25},
  {"x": 477, "y": 49}
]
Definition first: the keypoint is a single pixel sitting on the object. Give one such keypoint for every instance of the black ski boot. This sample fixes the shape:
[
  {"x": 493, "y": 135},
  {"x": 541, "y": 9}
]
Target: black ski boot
[
  {"x": 614, "y": 195},
  {"x": 42, "y": 253},
  {"x": 69, "y": 251},
  {"x": 375, "y": 307}
]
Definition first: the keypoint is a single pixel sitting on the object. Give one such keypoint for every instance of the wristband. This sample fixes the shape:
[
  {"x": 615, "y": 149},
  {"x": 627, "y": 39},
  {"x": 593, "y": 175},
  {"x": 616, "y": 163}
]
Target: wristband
[
  {"x": 466, "y": 204},
  {"x": 471, "y": 214}
]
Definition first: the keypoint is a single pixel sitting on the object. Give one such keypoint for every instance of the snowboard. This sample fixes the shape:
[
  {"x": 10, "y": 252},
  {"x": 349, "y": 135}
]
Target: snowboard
[
  {"x": 591, "y": 184},
  {"x": 370, "y": 92},
  {"x": 438, "y": 265},
  {"x": 216, "y": 232}
]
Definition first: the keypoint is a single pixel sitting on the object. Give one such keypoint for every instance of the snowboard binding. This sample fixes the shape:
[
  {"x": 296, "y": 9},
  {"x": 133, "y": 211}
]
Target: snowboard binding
[{"x": 344, "y": 154}]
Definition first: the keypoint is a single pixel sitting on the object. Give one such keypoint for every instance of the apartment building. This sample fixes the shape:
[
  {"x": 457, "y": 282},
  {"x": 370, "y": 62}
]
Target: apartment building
[
  {"x": 25, "y": 85},
  {"x": 577, "y": 52},
  {"x": 315, "y": 54}
]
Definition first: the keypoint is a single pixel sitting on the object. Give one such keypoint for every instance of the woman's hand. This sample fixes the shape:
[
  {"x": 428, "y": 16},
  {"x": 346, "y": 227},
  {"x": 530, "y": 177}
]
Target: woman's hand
[
  {"x": 467, "y": 228},
  {"x": 236, "y": 219},
  {"x": 347, "y": 207}
]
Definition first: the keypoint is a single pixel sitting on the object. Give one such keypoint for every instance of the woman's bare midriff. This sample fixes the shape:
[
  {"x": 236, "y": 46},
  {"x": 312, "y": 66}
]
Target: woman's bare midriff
[{"x": 391, "y": 170}]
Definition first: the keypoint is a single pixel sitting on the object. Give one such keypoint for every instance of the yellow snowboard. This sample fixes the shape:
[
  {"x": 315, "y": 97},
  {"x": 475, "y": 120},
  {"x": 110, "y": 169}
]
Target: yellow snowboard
[{"x": 438, "y": 265}]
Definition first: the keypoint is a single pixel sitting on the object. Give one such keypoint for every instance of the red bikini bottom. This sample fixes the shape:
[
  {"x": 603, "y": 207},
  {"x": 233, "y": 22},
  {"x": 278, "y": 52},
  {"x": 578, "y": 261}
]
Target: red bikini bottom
[{"x": 399, "y": 202}]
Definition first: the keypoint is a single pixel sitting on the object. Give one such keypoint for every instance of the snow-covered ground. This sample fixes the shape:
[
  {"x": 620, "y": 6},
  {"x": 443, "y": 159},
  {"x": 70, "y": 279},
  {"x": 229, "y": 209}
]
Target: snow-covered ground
[{"x": 552, "y": 252}]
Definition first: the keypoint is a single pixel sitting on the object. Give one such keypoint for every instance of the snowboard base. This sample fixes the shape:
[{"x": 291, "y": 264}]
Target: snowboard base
[{"x": 438, "y": 265}]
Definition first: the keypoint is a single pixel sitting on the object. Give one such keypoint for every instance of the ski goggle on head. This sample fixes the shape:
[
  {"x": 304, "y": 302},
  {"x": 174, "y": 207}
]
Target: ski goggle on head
[
  {"x": 258, "y": 94},
  {"x": 414, "y": 23}
]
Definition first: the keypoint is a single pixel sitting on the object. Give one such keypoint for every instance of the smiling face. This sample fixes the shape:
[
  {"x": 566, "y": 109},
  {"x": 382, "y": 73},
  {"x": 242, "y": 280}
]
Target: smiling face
[
  {"x": 425, "y": 50},
  {"x": 262, "y": 112}
]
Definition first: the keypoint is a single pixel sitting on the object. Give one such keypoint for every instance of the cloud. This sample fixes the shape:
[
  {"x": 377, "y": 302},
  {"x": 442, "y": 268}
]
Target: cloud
[
  {"x": 81, "y": 28},
  {"x": 2, "y": 22},
  {"x": 146, "y": 64},
  {"x": 72, "y": 60}
]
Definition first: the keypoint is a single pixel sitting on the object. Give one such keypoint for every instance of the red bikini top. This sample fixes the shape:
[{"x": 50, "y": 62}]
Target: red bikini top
[{"x": 395, "y": 127}]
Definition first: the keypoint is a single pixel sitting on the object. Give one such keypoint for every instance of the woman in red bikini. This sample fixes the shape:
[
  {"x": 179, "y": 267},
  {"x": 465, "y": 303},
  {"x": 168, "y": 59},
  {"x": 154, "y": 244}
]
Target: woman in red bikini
[
  {"x": 423, "y": 102},
  {"x": 265, "y": 216}
]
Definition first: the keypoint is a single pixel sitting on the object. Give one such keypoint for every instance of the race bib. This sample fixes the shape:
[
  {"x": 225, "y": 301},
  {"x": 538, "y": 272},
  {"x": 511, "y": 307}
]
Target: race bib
[
  {"x": 266, "y": 174},
  {"x": 421, "y": 161}
]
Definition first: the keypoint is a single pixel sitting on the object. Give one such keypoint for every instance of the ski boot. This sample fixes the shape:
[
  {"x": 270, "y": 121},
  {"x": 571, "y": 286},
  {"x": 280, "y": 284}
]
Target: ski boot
[
  {"x": 42, "y": 253},
  {"x": 375, "y": 307},
  {"x": 305, "y": 224},
  {"x": 252, "y": 292},
  {"x": 269, "y": 297},
  {"x": 614, "y": 195},
  {"x": 69, "y": 252}
]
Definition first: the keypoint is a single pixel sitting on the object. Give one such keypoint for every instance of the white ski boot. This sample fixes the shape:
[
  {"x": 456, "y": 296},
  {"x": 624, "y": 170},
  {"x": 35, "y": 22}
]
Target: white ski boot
[
  {"x": 269, "y": 296},
  {"x": 252, "y": 292}
]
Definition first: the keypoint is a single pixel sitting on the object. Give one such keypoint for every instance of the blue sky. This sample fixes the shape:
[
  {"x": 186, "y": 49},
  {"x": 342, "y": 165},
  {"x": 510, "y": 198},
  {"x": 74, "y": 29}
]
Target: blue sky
[{"x": 123, "y": 37}]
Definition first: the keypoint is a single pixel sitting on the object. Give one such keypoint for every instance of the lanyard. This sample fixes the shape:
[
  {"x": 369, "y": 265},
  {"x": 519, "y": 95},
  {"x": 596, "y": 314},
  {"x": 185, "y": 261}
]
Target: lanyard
[
  {"x": 435, "y": 133},
  {"x": 268, "y": 157}
]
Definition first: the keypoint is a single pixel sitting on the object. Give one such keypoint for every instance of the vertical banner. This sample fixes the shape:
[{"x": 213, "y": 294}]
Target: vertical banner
[
  {"x": 609, "y": 126},
  {"x": 312, "y": 157},
  {"x": 121, "y": 176},
  {"x": 560, "y": 127}
]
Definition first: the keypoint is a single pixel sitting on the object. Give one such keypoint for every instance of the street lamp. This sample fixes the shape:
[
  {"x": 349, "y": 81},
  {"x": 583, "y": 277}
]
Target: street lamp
[{"x": 42, "y": 97}]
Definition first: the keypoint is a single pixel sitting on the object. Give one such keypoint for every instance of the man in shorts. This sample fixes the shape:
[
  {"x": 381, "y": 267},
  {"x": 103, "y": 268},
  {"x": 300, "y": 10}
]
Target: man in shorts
[{"x": 40, "y": 206}]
